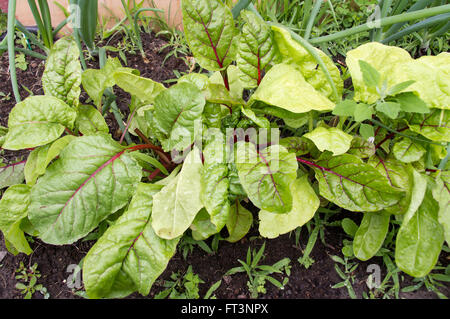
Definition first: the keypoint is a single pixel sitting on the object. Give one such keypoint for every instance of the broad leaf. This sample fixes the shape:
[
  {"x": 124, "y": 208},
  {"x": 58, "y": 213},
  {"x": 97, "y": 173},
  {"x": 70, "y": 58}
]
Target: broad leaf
[
  {"x": 370, "y": 75},
  {"x": 13, "y": 209},
  {"x": 391, "y": 109},
  {"x": 352, "y": 184},
  {"x": 399, "y": 176},
  {"x": 408, "y": 151},
  {"x": 40, "y": 158},
  {"x": 239, "y": 222},
  {"x": 304, "y": 206},
  {"x": 361, "y": 147},
  {"x": 202, "y": 227},
  {"x": 236, "y": 85},
  {"x": 297, "y": 145},
  {"x": 177, "y": 204},
  {"x": 293, "y": 53},
  {"x": 210, "y": 33},
  {"x": 129, "y": 250},
  {"x": 371, "y": 234},
  {"x": 256, "y": 49},
  {"x": 266, "y": 176},
  {"x": 177, "y": 111},
  {"x": 411, "y": 103},
  {"x": 441, "y": 193},
  {"x": 95, "y": 82},
  {"x": 144, "y": 89},
  {"x": 215, "y": 183},
  {"x": 11, "y": 174},
  {"x": 285, "y": 87},
  {"x": 93, "y": 178},
  {"x": 90, "y": 121},
  {"x": 420, "y": 238},
  {"x": 37, "y": 121},
  {"x": 330, "y": 139},
  {"x": 435, "y": 125},
  {"x": 62, "y": 75}
]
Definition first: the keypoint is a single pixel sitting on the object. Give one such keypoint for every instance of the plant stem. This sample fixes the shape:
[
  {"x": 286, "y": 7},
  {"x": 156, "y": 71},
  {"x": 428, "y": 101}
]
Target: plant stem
[
  {"x": 421, "y": 14},
  {"x": 161, "y": 153},
  {"x": 312, "y": 18},
  {"x": 11, "y": 49},
  {"x": 144, "y": 147}
]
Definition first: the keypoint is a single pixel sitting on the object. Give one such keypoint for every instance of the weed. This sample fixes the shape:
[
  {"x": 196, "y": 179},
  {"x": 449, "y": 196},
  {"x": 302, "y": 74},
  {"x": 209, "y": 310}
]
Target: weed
[{"x": 28, "y": 285}]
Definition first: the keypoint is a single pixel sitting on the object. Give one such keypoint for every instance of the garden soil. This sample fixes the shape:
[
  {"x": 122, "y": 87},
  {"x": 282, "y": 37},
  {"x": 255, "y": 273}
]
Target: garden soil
[{"x": 53, "y": 261}]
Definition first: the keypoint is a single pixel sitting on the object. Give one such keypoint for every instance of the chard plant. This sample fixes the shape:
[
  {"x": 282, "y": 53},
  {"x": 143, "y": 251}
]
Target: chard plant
[{"x": 208, "y": 149}]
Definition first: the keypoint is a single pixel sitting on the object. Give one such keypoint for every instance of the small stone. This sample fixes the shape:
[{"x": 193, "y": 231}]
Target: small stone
[
  {"x": 2, "y": 255},
  {"x": 242, "y": 296}
]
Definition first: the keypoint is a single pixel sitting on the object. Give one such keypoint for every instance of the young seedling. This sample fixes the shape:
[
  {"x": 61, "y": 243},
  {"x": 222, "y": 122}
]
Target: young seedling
[
  {"x": 28, "y": 285},
  {"x": 259, "y": 274},
  {"x": 182, "y": 286},
  {"x": 347, "y": 275}
]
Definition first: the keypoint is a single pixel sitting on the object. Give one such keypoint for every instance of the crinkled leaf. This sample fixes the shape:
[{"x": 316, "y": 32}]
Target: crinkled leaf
[
  {"x": 330, "y": 139},
  {"x": 146, "y": 90},
  {"x": 217, "y": 93},
  {"x": 285, "y": 87},
  {"x": 304, "y": 206},
  {"x": 200, "y": 80},
  {"x": 177, "y": 204},
  {"x": 294, "y": 53},
  {"x": 37, "y": 121},
  {"x": 13, "y": 209},
  {"x": 441, "y": 193},
  {"x": 420, "y": 238},
  {"x": 90, "y": 121},
  {"x": 62, "y": 75},
  {"x": 408, "y": 151},
  {"x": 266, "y": 175},
  {"x": 435, "y": 125},
  {"x": 371, "y": 234},
  {"x": 130, "y": 250},
  {"x": 239, "y": 222},
  {"x": 399, "y": 176},
  {"x": 11, "y": 174},
  {"x": 210, "y": 33},
  {"x": 215, "y": 183},
  {"x": 354, "y": 185},
  {"x": 256, "y": 49},
  {"x": 176, "y": 112},
  {"x": 361, "y": 147},
  {"x": 297, "y": 145},
  {"x": 93, "y": 178}
]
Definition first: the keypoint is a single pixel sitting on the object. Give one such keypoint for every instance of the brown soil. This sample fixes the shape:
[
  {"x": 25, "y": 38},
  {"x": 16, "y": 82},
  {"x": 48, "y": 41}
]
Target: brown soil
[{"x": 314, "y": 282}]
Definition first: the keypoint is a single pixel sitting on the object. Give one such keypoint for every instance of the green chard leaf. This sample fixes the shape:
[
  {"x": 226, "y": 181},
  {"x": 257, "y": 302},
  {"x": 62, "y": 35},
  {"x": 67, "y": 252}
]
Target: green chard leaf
[
  {"x": 408, "y": 151},
  {"x": 202, "y": 226},
  {"x": 256, "y": 49},
  {"x": 361, "y": 147},
  {"x": 304, "y": 206},
  {"x": 215, "y": 183},
  {"x": 177, "y": 204},
  {"x": 434, "y": 126},
  {"x": 292, "y": 52},
  {"x": 13, "y": 209},
  {"x": 371, "y": 234},
  {"x": 95, "y": 82},
  {"x": 297, "y": 145},
  {"x": 210, "y": 33},
  {"x": 37, "y": 121},
  {"x": 40, "y": 158},
  {"x": 62, "y": 75},
  {"x": 330, "y": 139},
  {"x": 129, "y": 256},
  {"x": 266, "y": 176},
  {"x": 420, "y": 238},
  {"x": 93, "y": 178},
  {"x": 399, "y": 176},
  {"x": 441, "y": 193},
  {"x": 11, "y": 174},
  {"x": 90, "y": 121},
  {"x": 352, "y": 184},
  {"x": 177, "y": 111},
  {"x": 285, "y": 87},
  {"x": 146, "y": 90},
  {"x": 239, "y": 222},
  {"x": 234, "y": 81}
]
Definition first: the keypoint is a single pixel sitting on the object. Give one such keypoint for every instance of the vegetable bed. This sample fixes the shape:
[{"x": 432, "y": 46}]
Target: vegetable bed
[{"x": 327, "y": 185}]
